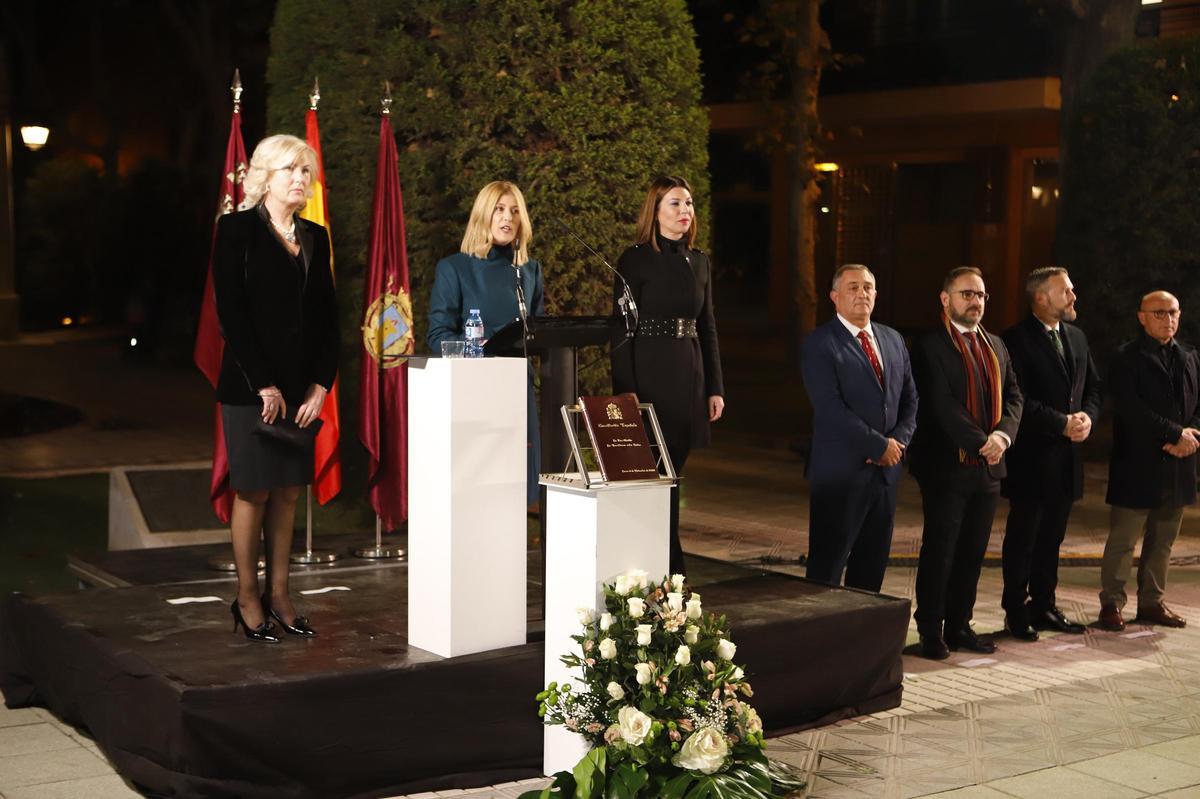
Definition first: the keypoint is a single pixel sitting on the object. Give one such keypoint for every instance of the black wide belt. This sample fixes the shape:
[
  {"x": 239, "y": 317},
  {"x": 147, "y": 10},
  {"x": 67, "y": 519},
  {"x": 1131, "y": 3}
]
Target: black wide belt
[{"x": 666, "y": 328}]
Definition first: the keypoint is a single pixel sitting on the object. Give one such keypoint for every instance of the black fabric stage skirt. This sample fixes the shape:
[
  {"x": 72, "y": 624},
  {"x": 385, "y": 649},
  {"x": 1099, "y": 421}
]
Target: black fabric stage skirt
[
  {"x": 257, "y": 462},
  {"x": 185, "y": 708}
]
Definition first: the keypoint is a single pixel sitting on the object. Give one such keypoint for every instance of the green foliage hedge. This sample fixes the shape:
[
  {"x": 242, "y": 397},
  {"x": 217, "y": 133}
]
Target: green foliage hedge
[
  {"x": 579, "y": 103},
  {"x": 1130, "y": 223}
]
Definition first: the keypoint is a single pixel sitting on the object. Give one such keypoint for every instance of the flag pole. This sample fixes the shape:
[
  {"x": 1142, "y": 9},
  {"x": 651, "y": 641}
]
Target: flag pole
[
  {"x": 311, "y": 556},
  {"x": 225, "y": 563},
  {"x": 379, "y": 551}
]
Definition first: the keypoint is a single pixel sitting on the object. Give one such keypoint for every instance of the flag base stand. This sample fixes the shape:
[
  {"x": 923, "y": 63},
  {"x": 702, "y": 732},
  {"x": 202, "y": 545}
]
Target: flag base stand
[
  {"x": 312, "y": 556},
  {"x": 226, "y": 564},
  {"x": 379, "y": 551},
  {"x": 315, "y": 556}
]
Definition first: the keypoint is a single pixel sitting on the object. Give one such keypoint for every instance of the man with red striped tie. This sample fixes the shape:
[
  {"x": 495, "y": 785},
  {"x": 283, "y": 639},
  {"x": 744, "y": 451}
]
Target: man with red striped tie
[
  {"x": 970, "y": 410},
  {"x": 859, "y": 380}
]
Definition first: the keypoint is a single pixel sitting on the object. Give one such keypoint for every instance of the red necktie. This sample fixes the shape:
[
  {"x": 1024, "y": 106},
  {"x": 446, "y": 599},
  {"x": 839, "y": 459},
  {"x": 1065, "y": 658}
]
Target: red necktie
[{"x": 865, "y": 341}]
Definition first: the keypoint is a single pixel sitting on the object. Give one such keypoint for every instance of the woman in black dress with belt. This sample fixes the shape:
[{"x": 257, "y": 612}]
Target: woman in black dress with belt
[
  {"x": 673, "y": 360},
  {"x": 275, "y": 302}
]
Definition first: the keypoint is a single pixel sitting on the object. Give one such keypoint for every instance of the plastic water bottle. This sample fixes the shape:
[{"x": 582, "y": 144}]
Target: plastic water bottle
[{"x": 474, "y": 334}]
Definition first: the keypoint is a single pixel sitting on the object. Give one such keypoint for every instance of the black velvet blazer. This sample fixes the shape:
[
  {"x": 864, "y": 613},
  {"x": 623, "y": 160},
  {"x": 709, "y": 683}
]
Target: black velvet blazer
[{"x": 278, "y": 313}]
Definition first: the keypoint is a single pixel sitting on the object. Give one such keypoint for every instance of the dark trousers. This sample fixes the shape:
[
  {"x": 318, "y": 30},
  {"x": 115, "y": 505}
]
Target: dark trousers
[
  {"x": 850, "y": 528},
  {"x": 959, "y": 508},
  {"x": 678, "y": 458},
  {"x": 1032, "y": 538}
]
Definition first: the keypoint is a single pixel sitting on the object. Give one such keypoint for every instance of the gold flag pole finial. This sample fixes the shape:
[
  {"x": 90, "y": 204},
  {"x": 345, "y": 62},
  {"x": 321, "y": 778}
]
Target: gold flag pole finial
[
  {"x": 236, "y": 88},
  {"x": 386, "y": 103},
  {"x": 315, "y": 97}
]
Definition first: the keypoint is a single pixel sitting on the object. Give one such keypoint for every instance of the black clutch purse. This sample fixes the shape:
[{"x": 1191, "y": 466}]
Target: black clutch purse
[{"x": 288, "y": 433}]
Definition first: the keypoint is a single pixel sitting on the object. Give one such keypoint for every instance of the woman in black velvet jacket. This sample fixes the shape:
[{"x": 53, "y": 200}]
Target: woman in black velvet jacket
[
  {"x": 278, "y": 316},
  {"x": 673, "y": 360}
]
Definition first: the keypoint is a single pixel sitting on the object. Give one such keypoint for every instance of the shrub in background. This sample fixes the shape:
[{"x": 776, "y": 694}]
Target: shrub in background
[
  {"x": 1129, "y": 223},
  {"x": 579, "y": 103}
]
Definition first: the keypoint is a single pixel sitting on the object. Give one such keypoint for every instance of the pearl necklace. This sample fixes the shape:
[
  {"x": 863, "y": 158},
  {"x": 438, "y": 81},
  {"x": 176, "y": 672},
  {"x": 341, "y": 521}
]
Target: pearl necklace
[{"x": 289, "y": 234}]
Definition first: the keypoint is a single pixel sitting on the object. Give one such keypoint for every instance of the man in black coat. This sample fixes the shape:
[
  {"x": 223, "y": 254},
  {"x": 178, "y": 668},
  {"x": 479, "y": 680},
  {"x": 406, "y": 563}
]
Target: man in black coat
[
  {"x": 1152, "y": 470},
  {"x": 968, "y": 416},
  {"x": 1045, "y": 466}
]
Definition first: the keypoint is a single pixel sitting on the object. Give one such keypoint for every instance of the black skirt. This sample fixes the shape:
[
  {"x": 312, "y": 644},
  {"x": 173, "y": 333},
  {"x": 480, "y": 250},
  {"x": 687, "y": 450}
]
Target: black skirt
[{"x": 258, "y": 463}]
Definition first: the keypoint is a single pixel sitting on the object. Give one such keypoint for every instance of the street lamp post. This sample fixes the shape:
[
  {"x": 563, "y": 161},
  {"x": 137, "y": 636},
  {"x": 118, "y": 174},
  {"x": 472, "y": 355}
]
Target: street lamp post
[{"x": 10, "y": 305}]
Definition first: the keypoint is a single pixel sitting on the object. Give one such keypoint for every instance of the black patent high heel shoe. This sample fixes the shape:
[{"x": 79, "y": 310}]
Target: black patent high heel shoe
[
  {"x": 263, "y": 632},
  {"x": 299, "y": 625}
]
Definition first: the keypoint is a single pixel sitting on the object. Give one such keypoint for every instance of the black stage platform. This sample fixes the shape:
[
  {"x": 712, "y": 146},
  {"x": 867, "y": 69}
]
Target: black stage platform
[{"x": 182, "y": 707}]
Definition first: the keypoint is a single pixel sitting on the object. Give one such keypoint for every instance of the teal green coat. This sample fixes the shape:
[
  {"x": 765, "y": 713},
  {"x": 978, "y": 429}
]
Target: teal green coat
[{"x": 463, "y": 282}]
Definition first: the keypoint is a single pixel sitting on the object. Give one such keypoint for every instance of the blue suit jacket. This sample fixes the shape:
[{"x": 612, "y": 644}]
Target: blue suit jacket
[{"x": 852, "y": 415}]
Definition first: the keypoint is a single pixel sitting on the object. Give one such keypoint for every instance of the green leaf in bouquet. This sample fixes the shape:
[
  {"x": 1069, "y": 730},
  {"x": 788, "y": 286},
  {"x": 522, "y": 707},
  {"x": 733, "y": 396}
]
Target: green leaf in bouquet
[
  {"x": 589, "y": 774},
  {"x": 625, "y": 781},
  {"x": 751, "y": 775},
  {"x": 722, "y": 786},
  {"x": 752, "y": 778},
  {"x": 562, "y": 787},
  {"x": 785, "y": 780},
  {"x": 677, "y": 787}
]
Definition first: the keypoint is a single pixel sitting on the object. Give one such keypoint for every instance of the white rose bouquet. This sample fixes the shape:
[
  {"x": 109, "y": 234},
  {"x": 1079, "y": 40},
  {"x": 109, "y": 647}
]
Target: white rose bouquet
[{"x": 663, "y": 705}]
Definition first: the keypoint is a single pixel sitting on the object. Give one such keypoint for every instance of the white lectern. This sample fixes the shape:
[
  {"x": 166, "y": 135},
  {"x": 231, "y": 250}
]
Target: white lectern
[
  {"x": 593, "y": 534},
  {"x": 466, "y": 504}
]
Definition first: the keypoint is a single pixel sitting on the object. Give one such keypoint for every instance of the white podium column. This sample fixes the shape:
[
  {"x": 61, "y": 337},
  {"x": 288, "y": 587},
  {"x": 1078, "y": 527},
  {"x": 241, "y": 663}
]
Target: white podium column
[
  {"x": 466, "y": 504},
  {"x": 592, "y": 536}
]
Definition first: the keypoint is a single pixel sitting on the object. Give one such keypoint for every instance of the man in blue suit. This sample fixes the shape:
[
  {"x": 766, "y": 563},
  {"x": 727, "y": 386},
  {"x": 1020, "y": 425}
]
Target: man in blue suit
[{"x": 864, "y": 402}]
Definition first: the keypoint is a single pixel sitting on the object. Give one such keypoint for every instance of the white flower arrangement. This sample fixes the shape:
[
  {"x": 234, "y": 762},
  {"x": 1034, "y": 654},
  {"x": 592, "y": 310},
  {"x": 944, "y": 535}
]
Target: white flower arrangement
[{"x": 663, "y": 706}]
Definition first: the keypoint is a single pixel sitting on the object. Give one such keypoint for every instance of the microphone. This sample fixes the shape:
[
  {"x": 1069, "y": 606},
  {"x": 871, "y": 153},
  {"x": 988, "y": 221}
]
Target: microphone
[
  {"x": 521, "y": 307},
  {"x": 625, "y": 303}
]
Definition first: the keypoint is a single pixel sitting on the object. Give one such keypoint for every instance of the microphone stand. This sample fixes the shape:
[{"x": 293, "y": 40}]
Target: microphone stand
[
  {"x": 629, "y": 309},
  {"x": 522, "y": 308}
]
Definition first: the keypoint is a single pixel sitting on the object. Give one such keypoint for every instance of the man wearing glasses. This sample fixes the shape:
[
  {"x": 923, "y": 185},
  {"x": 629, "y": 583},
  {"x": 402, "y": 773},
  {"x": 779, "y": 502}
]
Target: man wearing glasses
[
  {"x": 1152, "y": 470},
  {"x": 968, "y": 416},
  {"x": 1045, "y": 475}
]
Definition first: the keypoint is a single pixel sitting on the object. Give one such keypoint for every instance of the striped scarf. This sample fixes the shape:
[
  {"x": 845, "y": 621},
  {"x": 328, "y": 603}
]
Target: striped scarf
[{"x": 991, "y": 365}]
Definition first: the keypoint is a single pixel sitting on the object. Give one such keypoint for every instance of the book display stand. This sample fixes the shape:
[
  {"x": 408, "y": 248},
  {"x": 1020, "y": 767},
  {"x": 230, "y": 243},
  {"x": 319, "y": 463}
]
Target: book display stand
[{"x": 596, "y": 529}]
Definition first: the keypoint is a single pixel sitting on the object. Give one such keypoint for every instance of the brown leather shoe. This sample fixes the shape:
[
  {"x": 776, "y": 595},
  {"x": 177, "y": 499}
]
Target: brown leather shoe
[
  {"x": 1159, "y": 614},
  {"x": 1110, "y": 618}
]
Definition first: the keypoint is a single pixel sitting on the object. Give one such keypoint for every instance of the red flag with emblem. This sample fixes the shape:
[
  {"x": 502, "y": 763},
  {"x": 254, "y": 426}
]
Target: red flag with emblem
[
  {"x": 209, "y": 344},
  {"x": 327, "y": 462},
  {"x": 387, "y": 340}
]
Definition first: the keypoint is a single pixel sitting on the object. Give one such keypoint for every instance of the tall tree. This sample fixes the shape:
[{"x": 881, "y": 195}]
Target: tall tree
[
  {"x": 1130, "y": 226},
  {"x": 797, "y": 50},
  {"x": 1089, "y": 32}
]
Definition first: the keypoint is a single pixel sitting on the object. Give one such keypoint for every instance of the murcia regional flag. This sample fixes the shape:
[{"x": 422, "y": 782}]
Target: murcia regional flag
[{"x": 387, "y": 340}]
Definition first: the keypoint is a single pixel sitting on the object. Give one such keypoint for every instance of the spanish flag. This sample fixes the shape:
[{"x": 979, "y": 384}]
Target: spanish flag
[{"x": 327, "y": 463}]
